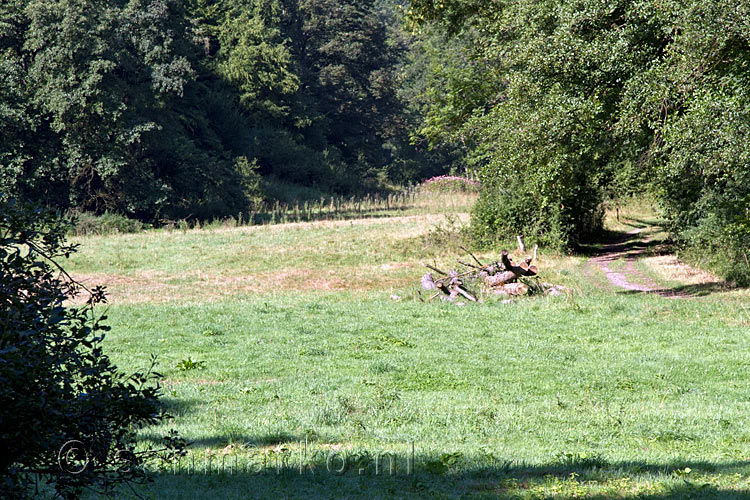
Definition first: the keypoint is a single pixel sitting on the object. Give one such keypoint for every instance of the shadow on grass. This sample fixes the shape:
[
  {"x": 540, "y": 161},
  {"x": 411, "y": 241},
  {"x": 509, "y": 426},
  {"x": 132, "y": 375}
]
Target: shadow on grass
[
  {"x": 641, "y": 222},
  {"x": 178, "y": 407},
  {"x": 230, "y": 437},
  {"x": 264, "y": 440},
  {"x": 695, "y": 290},
  {"x": 440, "y": 477},
  {"x": 614, "y": 242},
  {"x": 284, "y": 465}
]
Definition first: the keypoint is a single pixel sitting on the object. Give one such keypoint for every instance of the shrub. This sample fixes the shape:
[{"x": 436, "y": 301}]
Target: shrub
[
  {"x": 108, "y": 223},
  {"x": 57, "y": 386},
  {"x": 276, "y": 189},
  {"x": 723, "y": 249},
  {"x": 703, "y": 180},
  {"x": 510, "y": 206},
  {"x": 450, "y": 184},
  {"x": 250, "y": 180}
]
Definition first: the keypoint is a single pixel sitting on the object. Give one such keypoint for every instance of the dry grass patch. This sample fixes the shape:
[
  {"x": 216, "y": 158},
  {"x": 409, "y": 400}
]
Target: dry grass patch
[
  {"x": 369, "y": 221},
  {"x": 250, "y": 250},
  {"x": 669, "y": 267},
  {"x": 204, "y": 286},
  {"x": 211, "y": 264}
]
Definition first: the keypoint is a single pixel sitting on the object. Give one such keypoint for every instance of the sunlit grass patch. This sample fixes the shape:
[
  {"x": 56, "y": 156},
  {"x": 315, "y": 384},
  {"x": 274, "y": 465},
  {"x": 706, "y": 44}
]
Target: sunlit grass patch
[{"x": 622, "y": 378}]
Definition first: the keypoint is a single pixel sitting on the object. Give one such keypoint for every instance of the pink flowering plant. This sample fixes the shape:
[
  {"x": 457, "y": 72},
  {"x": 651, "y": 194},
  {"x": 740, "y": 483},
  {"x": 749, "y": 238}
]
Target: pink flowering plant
[{"x": 450, "y": 184}]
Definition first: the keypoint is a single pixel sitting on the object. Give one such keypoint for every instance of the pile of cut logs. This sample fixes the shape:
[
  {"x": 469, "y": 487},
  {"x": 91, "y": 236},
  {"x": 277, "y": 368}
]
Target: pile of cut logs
[{"x": 500, "y": 278}]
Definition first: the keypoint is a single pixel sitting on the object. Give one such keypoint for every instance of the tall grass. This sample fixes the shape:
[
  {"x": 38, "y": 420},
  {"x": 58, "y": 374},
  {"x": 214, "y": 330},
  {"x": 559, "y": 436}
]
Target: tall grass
[{"x": 413, "y": 201}]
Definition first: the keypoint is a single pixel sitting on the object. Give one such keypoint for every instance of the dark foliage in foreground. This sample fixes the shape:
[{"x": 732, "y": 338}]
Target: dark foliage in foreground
[{"x": 67, "y": 413}]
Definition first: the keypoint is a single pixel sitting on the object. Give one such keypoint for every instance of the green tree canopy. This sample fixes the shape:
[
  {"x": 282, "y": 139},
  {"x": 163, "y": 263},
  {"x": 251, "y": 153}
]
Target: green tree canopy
[{"x": 564, "y": 103}]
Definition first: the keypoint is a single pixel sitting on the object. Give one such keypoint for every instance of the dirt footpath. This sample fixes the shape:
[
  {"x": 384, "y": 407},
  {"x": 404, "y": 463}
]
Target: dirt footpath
[{"x": 628, "y": 277}]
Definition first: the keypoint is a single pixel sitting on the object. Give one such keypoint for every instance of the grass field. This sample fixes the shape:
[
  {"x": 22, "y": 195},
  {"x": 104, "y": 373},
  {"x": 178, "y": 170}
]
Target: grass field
[{"x": 281, "y": 345}]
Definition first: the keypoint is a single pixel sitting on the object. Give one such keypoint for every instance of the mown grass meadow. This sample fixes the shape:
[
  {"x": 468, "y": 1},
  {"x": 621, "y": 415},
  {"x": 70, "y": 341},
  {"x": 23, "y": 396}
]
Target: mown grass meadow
[{"x": 601, "y": 393}]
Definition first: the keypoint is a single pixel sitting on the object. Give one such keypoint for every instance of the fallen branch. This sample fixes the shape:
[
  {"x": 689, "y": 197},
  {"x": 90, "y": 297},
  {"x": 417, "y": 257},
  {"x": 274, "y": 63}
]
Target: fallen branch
[
  {"x": 501, "y": 277},
  {"x": 436, "y": 269},
  {"x": 472, "y": 256}
]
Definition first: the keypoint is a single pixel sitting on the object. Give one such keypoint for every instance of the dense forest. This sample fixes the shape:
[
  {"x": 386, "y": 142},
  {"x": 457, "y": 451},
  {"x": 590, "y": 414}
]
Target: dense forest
[
  {"x": 200, "y": 109},
  {"x": 189, "y": 109},
  {"x": 563, "y": 106}
]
